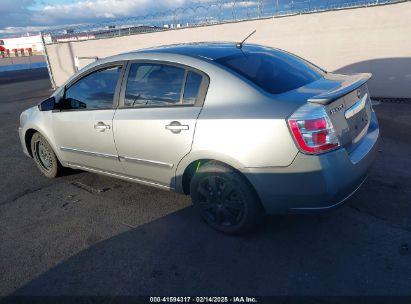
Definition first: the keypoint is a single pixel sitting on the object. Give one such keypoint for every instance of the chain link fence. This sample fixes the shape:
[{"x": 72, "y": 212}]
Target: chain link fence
[{"x": 205, "y": 13}]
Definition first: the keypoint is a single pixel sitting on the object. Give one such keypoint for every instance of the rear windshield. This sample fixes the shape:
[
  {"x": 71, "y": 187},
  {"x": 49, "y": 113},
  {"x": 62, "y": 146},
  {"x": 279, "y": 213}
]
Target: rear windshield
[{"x": 274, "y": 71}]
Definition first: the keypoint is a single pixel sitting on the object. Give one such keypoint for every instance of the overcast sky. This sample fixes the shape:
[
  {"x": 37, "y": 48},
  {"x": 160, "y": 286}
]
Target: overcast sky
[
  {"x": 34, "y": 15},
  {"x": 21, "y": 16}
]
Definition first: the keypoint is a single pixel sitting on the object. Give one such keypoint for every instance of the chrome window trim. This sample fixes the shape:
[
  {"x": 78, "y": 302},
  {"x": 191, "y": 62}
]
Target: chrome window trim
[
  {"x": 103, "y": 66},
  {"x": 200, "y": 97}
]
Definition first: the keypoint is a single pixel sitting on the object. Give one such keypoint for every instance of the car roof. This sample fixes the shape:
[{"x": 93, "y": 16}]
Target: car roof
[{"x": 206, "y": 50}]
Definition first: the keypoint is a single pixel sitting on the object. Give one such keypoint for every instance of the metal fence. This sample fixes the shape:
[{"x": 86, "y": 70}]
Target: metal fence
[{"x": 202, "y": 14}]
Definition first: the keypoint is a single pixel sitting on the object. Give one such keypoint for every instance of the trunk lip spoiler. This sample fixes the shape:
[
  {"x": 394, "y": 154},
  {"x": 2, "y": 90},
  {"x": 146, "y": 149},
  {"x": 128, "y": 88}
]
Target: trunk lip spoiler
[{"x": 347, "y": 86}]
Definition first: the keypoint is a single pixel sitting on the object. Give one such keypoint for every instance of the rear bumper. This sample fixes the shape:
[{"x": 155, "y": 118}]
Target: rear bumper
[{"x": 315, "y": 182}]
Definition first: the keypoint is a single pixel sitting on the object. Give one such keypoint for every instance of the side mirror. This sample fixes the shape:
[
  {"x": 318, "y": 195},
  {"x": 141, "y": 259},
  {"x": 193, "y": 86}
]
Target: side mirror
[{"x": 48, "y": 104}]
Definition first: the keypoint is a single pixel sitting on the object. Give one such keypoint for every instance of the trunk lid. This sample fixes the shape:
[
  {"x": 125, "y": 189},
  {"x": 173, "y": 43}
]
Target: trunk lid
[{"x": 347, "y": 102}]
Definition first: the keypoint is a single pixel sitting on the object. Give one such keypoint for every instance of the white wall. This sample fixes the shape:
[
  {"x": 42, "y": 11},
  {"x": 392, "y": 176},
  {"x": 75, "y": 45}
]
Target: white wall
[
  {"x": 33, "y": 42},
  {"x": 370, "y": 39}
]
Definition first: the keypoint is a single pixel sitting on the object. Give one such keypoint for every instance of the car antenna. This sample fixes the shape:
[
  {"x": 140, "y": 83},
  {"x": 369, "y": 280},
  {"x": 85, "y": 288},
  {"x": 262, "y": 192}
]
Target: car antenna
[{"x": 240, "y": 45}]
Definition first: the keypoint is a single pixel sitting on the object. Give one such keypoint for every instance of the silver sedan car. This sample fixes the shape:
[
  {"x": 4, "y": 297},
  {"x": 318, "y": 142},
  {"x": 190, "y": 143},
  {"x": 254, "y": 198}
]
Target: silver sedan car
[{"x": 244, "y": 129}]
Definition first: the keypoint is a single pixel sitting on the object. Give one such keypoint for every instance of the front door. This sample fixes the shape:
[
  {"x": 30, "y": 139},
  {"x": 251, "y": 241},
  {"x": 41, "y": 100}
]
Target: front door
[
  {"x": 154, "y": 125},
  {"x": 83, "y": 129}
]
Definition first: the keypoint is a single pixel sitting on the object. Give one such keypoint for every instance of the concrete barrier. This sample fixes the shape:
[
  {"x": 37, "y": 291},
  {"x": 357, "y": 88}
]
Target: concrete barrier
[{"x": 373, "y": 39}]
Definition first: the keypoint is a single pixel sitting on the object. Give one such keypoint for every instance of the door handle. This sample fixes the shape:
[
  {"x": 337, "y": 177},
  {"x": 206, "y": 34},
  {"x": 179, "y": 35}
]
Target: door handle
[
  {"x": 101, "y": 126},
  {"x": 176, "y": 127}
]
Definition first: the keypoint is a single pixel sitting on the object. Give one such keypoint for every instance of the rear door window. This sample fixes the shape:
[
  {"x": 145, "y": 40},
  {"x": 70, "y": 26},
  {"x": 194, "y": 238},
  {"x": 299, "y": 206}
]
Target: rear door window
[
  {"x": 154, "y": 84},
  {"x": 273, "y": 71},
  {"x": 192, "y": 87}
]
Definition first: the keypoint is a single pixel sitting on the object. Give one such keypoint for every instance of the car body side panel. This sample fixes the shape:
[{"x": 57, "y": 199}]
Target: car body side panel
[
  {"x": 241, "y": 121},
  {"x": 40, "y": 121},
  {"x": 80, "y": 143},
  {"x": 196, "y": 155},
  {"x": 315, "y": 182},
  {"x": 147, "y": 149},
  {"x": 239, "y": 124},
  {"x": 252, "y": 142}
]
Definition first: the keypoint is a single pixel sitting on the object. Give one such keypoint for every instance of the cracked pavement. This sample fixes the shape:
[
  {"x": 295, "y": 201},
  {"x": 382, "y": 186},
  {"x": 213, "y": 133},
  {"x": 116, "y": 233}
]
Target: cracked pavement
[{"x": 85, "y": 234}]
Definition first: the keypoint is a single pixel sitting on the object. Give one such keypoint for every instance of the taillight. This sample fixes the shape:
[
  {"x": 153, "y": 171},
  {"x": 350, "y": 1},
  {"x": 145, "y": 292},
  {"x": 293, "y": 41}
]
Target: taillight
[{"x": 313, "y": 130}]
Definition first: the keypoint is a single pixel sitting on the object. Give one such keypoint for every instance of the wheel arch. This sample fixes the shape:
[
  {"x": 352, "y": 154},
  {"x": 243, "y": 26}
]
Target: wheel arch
[
  {"x": 190, "y": 161},
  {"x": 28, "y": 135},
  {"x": 191, "y": 169},
  {"x": 188, "y": 167},
  {"x": 189, "y": 172}
]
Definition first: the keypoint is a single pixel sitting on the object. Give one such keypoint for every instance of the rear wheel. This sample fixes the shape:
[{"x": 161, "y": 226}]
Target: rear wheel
[
  {"x": 224, "y": 199},
  {"x": 44, "y": 156}
]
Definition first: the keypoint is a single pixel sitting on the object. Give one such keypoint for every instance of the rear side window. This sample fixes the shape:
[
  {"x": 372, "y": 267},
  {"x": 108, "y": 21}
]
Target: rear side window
[
  {"x": 153, "y": 84},
  {"x": 192, "y": 87},
  {"x": 274, "y": 71},
  {"x": 94, "y": 91}
]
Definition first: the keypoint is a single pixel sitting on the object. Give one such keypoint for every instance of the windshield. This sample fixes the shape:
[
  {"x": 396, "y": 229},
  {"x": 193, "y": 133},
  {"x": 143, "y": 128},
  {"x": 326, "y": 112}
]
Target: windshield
[{"x": 272, "y": 70}]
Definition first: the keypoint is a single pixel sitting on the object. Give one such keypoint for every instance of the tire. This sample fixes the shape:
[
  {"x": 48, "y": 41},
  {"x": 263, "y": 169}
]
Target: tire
[
  {"x": 225, "y": 199},
  {"x": 44, "y": 156}
]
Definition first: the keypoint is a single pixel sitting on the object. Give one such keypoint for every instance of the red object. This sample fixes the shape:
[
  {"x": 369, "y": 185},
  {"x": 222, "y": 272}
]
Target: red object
[
  {"x": 28, "y": 49},
  {"x": 2, "y": 48},
  {"x": 14, "y": 50},
  {"x": 315, "y": 124},
  {"x": 7, "y": 51},
  {"x": 21, "y": 50},
  {"x": 319, "y": 138}
]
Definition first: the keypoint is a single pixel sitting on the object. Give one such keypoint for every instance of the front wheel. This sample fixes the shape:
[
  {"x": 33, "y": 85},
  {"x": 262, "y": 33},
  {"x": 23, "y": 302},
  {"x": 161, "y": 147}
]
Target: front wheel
[
  {"x": 44, "y": 156},
  {"x": 225, "y": 199}
]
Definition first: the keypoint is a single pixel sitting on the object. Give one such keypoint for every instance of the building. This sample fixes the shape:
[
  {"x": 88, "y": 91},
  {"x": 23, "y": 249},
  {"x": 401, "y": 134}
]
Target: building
[{"x": 23, "y": 42}]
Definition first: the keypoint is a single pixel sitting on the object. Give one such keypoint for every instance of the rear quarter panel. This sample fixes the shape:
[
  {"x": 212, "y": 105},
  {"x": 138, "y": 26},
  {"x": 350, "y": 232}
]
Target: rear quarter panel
[
  {"x": 242, "y": 127},
  {"x": 252, "y": 142}
]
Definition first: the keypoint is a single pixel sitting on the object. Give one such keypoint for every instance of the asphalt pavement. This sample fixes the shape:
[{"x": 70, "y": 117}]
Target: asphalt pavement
[{"x": 85, "y": 234}]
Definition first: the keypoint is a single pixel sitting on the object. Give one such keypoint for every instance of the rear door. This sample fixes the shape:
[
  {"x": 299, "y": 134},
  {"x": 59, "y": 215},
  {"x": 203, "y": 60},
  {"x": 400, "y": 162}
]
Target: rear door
[
  {"x": 155, "y": 122},
  {"x": 83, "y": 127}
]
